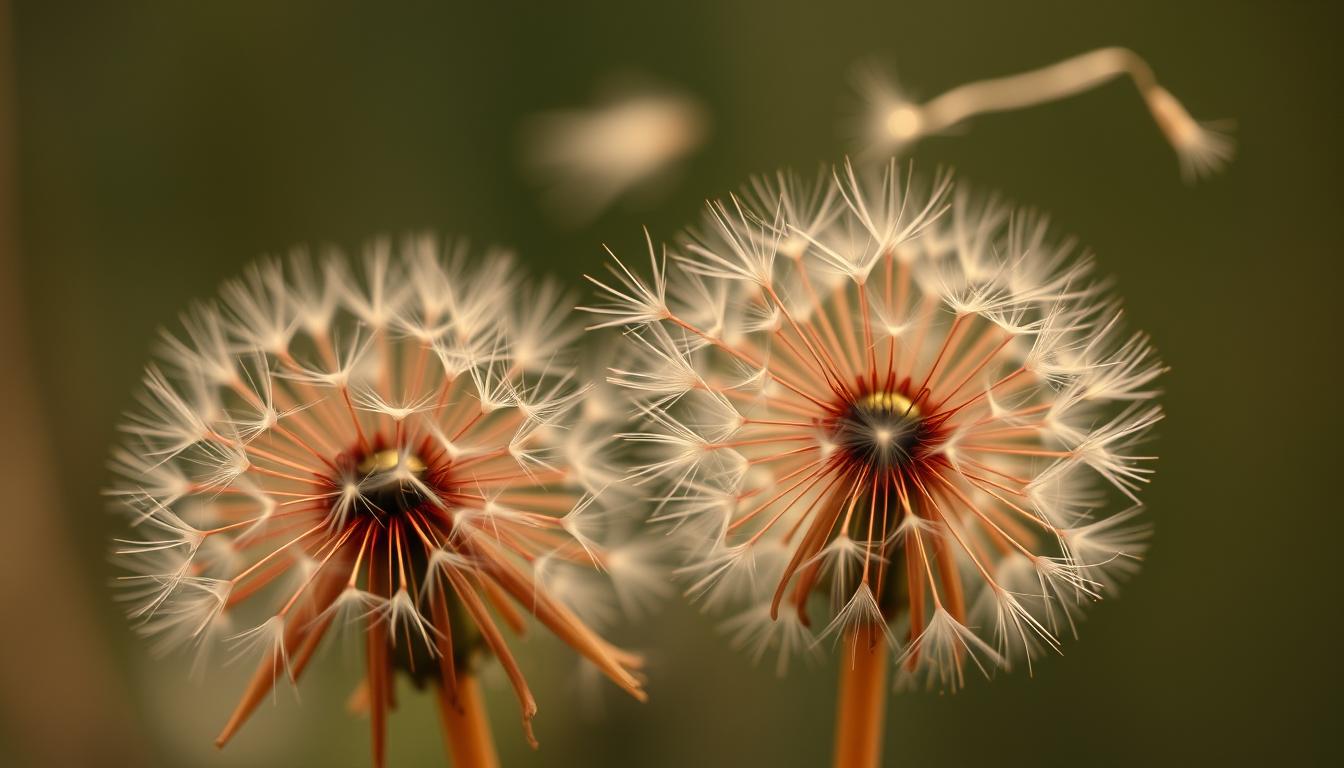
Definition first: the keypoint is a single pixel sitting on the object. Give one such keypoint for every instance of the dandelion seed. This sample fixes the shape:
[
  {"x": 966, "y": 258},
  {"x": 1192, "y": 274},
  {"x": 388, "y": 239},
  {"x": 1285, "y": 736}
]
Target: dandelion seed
[
  {"x": 587, "y": 159},
  {"x": 896, "y": 122},
  {"x": 757, "y": 631}
]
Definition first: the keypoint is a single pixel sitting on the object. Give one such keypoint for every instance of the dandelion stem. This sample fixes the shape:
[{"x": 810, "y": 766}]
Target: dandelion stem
[
  {"x": 465, "y": 727},
  {"x": 860, "y": 714}
]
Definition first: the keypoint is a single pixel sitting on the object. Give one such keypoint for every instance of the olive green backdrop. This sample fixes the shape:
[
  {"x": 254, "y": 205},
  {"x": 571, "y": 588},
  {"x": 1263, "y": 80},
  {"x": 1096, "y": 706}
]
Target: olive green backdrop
[{"x": 162, "y": 146}]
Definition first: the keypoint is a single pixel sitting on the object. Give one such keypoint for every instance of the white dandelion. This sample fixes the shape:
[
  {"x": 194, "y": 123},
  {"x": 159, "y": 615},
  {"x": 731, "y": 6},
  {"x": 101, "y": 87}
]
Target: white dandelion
[
  {"x": 920, "y": 449},
  {"x": 383, "y": 457}
]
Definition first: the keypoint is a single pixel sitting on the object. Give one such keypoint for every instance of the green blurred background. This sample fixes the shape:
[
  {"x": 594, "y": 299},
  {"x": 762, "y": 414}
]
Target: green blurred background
[{"x": 161, "y": 146}]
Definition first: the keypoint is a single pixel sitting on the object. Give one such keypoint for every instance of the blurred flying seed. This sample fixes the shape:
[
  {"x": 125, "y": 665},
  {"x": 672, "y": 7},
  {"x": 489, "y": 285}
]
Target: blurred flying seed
[
  {"x": 894, "y": 122},
  {"x": 586, "y": 159}
]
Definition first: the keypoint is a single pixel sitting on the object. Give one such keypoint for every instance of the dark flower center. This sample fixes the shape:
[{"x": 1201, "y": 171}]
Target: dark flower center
[
  {"x": 882, "y": 429},
  {"x": 391, "y": 482}
]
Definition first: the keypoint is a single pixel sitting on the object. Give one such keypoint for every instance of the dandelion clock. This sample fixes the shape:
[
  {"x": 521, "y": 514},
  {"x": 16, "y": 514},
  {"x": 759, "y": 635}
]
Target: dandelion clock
[
  {"x": 389, "y": 453},
  {"x": 890, "y": 417}
]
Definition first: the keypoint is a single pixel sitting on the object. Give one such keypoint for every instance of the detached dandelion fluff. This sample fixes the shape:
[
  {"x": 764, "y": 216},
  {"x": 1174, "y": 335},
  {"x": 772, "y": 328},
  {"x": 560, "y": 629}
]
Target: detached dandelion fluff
[
  {"x": 384, "y": 456},
  {"x": 884, "y": 417},
  {"x": 586, "y": 159},
  {"x": 896, "y": 121}
]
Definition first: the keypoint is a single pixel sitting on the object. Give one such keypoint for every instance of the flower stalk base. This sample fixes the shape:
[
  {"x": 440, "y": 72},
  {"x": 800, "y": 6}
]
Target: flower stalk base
[
  {"x": 861, "y": 712},
  {"x": 465, "y": 726}
]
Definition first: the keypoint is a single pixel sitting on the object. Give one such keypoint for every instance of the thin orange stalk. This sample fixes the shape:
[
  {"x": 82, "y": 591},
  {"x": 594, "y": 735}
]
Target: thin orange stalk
[
  {"x": 860, "y": 715},
  {"x": 466, "y": 730}
]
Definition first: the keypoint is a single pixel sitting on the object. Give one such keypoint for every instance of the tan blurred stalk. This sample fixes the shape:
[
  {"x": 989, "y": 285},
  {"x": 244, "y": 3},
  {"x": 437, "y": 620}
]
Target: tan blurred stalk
[
  {"x": 61, "y": 703},
  {"x": 861, "y": 713},
  {"x": 465, "y": 727}
]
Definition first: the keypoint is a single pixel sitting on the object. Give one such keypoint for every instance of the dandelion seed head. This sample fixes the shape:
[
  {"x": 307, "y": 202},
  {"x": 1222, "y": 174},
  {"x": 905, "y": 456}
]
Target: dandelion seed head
[
  {"x": 385, "y": 453},
  {"x": 921, "y": 446}
]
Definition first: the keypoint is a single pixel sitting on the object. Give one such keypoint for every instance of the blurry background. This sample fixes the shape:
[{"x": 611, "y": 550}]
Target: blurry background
[{"x": 158, "y": 147}]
